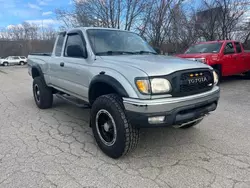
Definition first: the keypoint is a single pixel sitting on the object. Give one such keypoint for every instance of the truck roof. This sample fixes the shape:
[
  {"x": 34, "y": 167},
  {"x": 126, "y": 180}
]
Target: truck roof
[
  {"x": 215, "y": 41},
  {"x": 101, "y": 28}
]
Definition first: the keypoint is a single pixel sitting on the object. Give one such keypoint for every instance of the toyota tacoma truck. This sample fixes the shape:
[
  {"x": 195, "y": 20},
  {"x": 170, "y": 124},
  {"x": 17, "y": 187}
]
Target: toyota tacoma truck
[
  {"x": 227, "y": 57},
  {"x": 125, "y": 83}
]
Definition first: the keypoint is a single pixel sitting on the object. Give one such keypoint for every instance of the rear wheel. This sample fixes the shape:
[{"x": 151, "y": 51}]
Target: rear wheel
[
  {"x": 113, "y": 132},
  {"x": 42, "y": 93},
  {"x": 21, "y": 63}
]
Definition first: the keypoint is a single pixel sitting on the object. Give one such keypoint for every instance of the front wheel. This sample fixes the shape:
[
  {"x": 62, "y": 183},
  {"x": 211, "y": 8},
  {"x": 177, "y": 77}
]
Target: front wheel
[{"x": 113, "y": 132}]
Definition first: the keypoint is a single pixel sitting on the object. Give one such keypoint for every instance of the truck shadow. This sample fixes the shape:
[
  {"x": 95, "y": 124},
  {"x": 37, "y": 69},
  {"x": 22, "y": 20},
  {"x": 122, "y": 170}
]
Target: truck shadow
[{"x": 153, "y": 141}]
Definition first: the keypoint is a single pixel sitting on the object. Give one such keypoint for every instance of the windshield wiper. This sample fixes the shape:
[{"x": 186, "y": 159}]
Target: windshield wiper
[
  {"x": 113, "y": 52},
  {"x": 145, "y": 52}
]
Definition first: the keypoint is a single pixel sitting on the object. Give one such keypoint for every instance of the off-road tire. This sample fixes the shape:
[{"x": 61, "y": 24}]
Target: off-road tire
[
  {"x": 127, "y": 135},
  {"x": 46, "y": 96}
]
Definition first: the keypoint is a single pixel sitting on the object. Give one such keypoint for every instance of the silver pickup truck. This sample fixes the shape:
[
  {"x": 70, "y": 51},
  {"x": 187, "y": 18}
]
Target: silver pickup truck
[{"x": 126, "y": 84}]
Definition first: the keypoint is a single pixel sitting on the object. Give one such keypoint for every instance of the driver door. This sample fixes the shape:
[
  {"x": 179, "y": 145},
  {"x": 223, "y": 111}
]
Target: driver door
[
  {"x": 75, "y": 66},
  {"x": 229, "y": 60}
]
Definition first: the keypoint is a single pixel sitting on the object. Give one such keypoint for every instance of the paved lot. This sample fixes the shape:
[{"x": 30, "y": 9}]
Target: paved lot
[{"x": 55, "y": 147}]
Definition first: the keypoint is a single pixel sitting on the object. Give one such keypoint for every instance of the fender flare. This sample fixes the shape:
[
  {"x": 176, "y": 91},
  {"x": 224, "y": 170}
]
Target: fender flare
[
  {"x": 38, "y": 68},
  {"x": 102, "y": 78}
]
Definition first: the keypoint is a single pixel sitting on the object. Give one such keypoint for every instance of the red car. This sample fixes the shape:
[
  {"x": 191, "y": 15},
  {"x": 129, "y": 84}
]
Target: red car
[{"x": 227, "y": 57}]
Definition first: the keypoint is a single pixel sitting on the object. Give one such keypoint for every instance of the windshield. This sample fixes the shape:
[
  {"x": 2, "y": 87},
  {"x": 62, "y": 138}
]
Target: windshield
[
  {"x": 109, "y": 42},
  {"x": 205, "y": 48}
]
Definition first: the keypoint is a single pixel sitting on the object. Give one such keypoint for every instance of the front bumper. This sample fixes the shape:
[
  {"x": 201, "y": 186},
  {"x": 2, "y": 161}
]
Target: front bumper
[{"x": 177, "y": 110}]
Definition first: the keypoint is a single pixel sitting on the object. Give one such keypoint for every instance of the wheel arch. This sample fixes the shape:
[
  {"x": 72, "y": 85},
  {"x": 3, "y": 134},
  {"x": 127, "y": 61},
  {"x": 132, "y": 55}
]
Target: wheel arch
[
  {"x": 36, "y": 71},
  {"x": 217, "y": 67},
  {"x": 105, "y": 84}
]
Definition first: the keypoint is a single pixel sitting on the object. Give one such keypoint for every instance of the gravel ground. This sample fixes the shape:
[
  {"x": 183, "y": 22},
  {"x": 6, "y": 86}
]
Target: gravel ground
[{"x": 55, "y": 147}]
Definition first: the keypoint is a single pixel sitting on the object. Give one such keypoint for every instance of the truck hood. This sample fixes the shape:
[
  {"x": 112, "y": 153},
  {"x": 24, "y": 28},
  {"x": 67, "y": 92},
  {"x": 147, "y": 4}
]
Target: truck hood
[{"x": 154, "y": 65}]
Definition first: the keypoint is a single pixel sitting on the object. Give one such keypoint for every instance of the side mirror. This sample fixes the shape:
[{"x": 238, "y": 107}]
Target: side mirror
[{"x": 76, "y": 51}]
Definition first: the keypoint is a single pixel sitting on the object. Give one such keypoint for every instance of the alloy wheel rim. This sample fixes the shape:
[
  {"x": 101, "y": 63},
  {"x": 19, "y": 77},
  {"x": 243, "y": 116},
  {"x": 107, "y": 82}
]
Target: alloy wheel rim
[
  {"x": 37, "y": 93},
  {"x": 106, "y": 127}
]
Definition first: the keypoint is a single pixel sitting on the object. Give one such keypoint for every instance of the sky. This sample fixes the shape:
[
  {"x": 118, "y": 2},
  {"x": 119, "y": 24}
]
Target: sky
[
  {"x": 14, "y": 12},
  {"x": 40, "y": 12}
]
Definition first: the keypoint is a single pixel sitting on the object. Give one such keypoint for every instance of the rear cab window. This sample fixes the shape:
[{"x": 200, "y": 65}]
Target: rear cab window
[
  {"x": 238, "y": 47},
  {"x": 59, "y": 44}
]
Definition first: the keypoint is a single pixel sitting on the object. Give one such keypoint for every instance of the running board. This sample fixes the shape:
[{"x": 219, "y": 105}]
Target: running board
[{"x": 72, "y": 100}]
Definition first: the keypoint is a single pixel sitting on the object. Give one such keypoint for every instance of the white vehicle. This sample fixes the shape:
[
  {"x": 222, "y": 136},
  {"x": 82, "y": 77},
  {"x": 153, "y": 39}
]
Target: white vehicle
[{"x": 14, "y": 60}]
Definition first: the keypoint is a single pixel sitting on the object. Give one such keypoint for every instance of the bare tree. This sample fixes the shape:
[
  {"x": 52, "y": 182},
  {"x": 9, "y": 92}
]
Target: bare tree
[
  {"x": 157, "y": 24},
  {"x": 105, "y": 13},
  {"x": 15, "y": 32},
  {"x": 26, "y": 38},
  {"x": 218, "y": 19},
  {"x": 182, "y": 29},
  {"x": 67, "y": 18}
]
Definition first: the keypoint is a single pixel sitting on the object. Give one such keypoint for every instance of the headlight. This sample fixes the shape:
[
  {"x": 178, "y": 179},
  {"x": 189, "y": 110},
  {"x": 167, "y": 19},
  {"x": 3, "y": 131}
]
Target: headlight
[
  {"x": 155, "y": 86},
  {"x": 202, "y": 60},
  {"x": 143, "y": 86},
  {"x": 216, "y": 78},
  {"x": 160, "y": 85}
]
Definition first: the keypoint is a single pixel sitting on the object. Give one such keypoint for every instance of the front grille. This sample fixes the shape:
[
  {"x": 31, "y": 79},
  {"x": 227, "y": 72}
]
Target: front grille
[
  {"x": 203, "y": 82},
  {"x": 182, "y": 84}
]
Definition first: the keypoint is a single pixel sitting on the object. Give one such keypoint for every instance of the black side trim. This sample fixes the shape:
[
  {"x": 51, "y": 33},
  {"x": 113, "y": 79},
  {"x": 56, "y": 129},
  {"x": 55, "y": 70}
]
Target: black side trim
[
  {"x": 38, "y": 68},
  {"x": 102, "y": 78}
]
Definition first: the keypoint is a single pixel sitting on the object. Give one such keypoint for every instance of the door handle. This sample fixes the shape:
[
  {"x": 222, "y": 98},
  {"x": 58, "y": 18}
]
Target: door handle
[{"x": 62, "y": 64}]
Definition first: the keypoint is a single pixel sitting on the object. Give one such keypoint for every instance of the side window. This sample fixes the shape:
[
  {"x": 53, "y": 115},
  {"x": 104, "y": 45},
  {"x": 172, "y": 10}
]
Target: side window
[
  {"x": 59, "y": 45},
  {"x": 74, "y": 46},
  {"x": 16, "y": 58},
  {"x": 229, "y": 48},
  {"x": 238, "y": 47}
]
